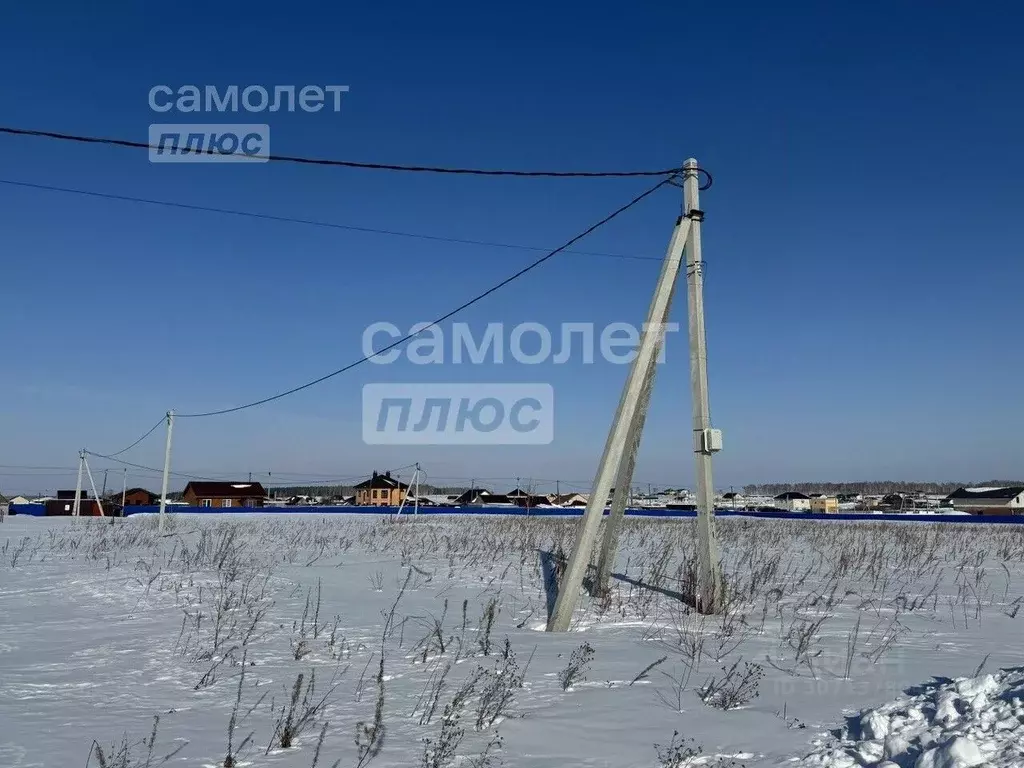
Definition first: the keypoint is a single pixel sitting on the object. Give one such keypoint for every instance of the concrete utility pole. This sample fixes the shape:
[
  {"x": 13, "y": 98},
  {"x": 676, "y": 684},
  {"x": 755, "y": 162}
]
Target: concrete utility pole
[
  {"x": 624, "y": 478},
  {"x": 619, "y": 457},
  {"x": 78, "y": 485},
  {"x": 167, "y": 469},
  {"x": 618, "y": 435},
  {"x": 706, "y": 440},
  {"x": 92, "y": 484}
]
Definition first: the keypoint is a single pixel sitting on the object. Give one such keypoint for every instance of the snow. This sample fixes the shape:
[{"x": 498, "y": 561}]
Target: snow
[
  {"x": 949, "y": 724},
  {"x": 864, "y": 644}
]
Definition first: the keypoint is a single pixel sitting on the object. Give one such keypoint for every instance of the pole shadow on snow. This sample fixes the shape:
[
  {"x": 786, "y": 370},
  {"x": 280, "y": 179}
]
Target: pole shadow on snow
[
  {"x": 552, "y": 566},
  {"x": 683, "y": 595}
]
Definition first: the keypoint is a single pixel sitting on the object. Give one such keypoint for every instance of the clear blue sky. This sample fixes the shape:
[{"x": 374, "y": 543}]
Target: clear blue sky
[{"x": 864, "y": 275}]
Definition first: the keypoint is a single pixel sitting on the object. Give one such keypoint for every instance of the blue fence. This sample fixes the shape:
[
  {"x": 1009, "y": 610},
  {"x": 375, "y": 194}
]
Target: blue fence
[{"x": 39, "y": 510}]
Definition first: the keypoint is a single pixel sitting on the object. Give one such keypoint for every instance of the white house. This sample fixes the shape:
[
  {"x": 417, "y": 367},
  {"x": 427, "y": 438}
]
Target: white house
[
  {"x": 794, "y": 501},
  {"x": 990, "y": 501}
]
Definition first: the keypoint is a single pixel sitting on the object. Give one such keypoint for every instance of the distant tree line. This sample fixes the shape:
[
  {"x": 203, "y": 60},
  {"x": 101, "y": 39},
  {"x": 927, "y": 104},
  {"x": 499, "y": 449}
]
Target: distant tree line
[{"x": 872, "y": 487}]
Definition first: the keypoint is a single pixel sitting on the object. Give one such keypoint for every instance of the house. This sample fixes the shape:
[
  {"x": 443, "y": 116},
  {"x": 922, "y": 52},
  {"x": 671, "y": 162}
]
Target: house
[
  {"x": 64, "y": 505},
  {"x": 794, "y": 501},
  {"x": 529, "y": 502},
  {"x": 732, "y": 500},
  {"x": 828, "y": 505},
  {"x": 569, "y": 499},
  {"x": 20, "y": 500},
  {"x": 897, "y": 502},
  {"x": 495, "y": 500},
  {"x": 221, "y": 494},
  {"x": 138, "y": 497},
  {"x": 471, "y": 496},
  {"x": 380, "y": 491},
  {"x": 439, "y": 499},
  {"x": 989, "y": 501}
]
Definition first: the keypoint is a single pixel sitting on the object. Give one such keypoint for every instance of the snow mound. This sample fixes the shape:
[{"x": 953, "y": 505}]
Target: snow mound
[{"x": 970, "y": 721}]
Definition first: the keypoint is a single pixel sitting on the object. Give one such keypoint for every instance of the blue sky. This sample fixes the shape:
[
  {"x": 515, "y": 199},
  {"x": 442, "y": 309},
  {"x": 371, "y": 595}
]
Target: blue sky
[{"x": 862, "y": 278}]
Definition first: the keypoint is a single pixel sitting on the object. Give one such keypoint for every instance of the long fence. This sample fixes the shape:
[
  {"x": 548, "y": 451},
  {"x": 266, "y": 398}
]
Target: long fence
[{"x": 39, "y": 510}]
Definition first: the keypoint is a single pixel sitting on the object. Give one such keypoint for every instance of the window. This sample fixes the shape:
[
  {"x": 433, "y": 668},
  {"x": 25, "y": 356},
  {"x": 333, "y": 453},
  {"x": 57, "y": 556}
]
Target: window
[
  {"x": 375, "y": 494},
  {"x": 227, "y": 503},
  {"x": 207, "y": 502}
]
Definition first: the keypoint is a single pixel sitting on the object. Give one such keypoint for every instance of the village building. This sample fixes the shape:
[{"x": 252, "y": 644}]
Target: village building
[
  {"x": 569, "y": 499},
  {"x": 989, "y": 501},
  {"x": 793, "y": 501},
  {"x": 822, "y": 504},
  {"x": 380, "y": 491},
  {"x": 223, "y": 495},
  {"x": 139, "y": 497}
]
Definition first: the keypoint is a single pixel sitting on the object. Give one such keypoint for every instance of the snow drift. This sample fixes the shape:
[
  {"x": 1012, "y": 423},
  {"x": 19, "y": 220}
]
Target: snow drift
[{"x": 970, "y": 721}]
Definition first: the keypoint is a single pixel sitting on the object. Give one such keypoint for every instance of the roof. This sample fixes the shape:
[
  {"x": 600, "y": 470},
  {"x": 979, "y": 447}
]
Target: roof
[
  {"x": 219, "y": 490},
  {"x": 494, "y": 498},
  {"x": 469, "y": 495},
  {"x": 137, "y": 490},
  {"x": 381, "y": 481},
  {"x": 1007, "y": 493},
  {"x": 792, "y": 495}
]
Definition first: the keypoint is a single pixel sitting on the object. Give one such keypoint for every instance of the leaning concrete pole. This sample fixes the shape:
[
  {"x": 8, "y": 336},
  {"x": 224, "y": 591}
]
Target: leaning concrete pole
[
  {"x": 629, "y": 402},
  {"x": 623, "y": 481},
  {"x": 707, "y": 441},
  {"x": 167, "y": 469},
  {"x": 76, "y": 509}
]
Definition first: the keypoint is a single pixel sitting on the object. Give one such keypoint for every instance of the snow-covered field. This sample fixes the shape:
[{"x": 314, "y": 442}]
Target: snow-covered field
[{"x": 420, "y": 643}]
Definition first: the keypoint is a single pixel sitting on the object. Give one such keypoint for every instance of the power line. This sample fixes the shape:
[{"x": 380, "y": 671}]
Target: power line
[
  {"x": 150, "y": 469},
  {"x": 362, "y": 165},
  {"x": 148, "y": 433},
  {"x": 32, "y": 466},
  {"x": 442, "y": 318},
  {"x": 309, "y": 222}
]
